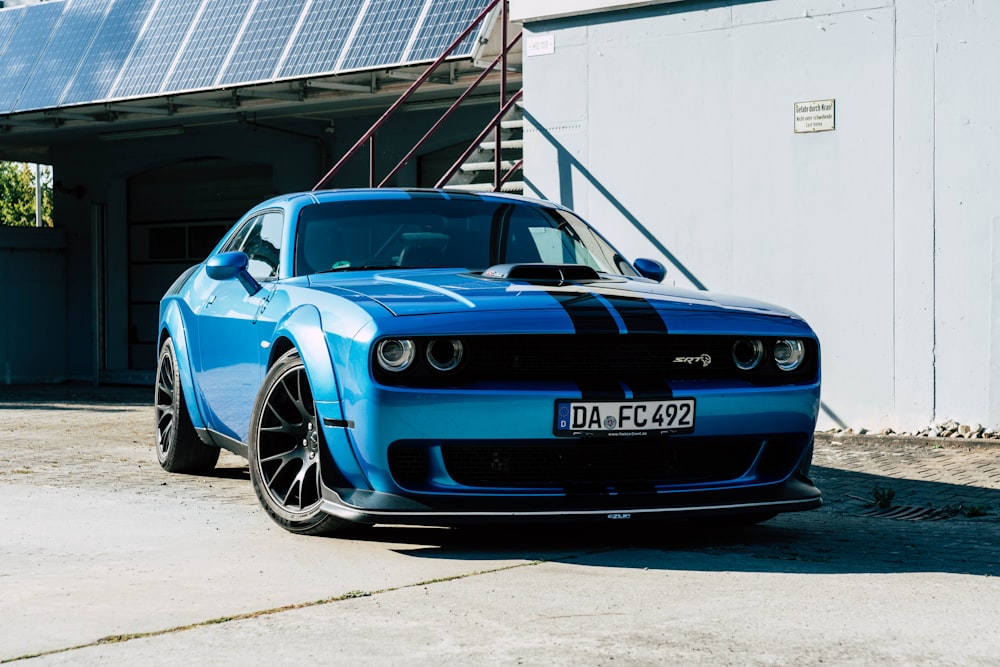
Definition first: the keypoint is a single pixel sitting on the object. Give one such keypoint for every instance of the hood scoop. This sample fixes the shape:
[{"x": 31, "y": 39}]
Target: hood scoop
[{"x": 542, "y": 273}]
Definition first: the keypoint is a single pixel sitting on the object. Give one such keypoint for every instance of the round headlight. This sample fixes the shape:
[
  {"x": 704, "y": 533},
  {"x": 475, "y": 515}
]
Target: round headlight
[
  {"x": 395, "y": 354},
  {"x": 445, "y": 354},
  {"x": 747, "y": 354},
  {"x": 788, "y": 354}
]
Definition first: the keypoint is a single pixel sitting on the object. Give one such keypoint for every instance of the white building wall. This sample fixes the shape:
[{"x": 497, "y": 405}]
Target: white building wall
[
  {"x": 967, "y": 203},
  {"x": 671, "y": 127}
]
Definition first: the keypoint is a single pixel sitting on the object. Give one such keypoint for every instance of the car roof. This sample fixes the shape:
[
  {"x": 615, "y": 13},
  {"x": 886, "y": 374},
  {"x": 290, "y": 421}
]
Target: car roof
[{"x": 355, "y": 194}]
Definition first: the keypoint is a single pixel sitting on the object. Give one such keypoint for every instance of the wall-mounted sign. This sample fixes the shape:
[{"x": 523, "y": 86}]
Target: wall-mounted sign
[
  {"x": 540, "y": 45},
  {"x": 816, "y": 116}
]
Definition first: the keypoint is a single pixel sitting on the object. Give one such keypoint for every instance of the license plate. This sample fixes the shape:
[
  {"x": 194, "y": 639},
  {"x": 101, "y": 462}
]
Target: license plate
[{"x": 624, "y": 418}]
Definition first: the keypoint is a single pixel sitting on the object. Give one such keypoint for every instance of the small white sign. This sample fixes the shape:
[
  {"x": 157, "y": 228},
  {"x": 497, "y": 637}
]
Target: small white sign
[
  {"x": 540, "y": 45},
  {"x": 816, "y": 116}
]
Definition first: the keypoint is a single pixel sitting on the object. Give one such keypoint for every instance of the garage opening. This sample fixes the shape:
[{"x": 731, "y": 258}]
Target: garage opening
[{"x": 176, "y": 215}]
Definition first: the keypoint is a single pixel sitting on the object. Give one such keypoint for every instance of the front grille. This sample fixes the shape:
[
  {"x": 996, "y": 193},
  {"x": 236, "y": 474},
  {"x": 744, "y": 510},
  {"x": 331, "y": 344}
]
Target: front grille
[
  {"x": 599, "y": 357},
  {"x": 590, "y": 464},
  {"x": 408, "y": 464},
  {"x": 643, "y": 359}
]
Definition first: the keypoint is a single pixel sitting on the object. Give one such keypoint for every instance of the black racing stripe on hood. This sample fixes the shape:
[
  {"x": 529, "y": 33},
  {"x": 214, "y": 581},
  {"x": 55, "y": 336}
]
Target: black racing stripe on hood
[
  {"x": 638, "y": 314},
  {"x": 588, "y": 313}
]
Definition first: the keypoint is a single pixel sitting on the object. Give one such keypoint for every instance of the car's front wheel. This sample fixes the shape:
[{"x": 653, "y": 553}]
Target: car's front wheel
[
  {"x": 178, "y": 447},
  {"x": 285, "y": 442}
]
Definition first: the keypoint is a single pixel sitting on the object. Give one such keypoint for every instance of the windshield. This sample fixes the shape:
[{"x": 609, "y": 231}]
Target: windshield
[{"x": 436, "y": 232}]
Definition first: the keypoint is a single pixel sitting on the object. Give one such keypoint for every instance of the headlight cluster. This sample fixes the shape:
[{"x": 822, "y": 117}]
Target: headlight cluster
[
  {"x": 787, "y": 353},
  {"x": 398, "y": 354}
]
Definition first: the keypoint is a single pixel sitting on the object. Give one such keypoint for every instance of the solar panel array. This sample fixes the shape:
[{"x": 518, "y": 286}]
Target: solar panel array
[{"x": 74, "y": 52}]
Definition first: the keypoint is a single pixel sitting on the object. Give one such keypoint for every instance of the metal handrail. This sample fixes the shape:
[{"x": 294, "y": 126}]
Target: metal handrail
[
  {"x": 369, "y": 136},
  {"x": 510, "y": 172}
]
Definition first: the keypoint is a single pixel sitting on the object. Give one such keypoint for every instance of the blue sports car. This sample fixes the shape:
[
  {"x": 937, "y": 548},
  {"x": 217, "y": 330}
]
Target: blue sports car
[{"x": 438, "y": 357}]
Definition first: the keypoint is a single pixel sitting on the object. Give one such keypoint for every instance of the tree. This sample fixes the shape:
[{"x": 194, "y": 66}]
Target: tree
[{"x": 17, "y": 195}]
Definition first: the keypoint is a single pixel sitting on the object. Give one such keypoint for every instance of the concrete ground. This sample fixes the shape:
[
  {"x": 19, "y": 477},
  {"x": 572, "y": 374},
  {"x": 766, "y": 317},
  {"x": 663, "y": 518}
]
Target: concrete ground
[{"x": 106, "y": 559}]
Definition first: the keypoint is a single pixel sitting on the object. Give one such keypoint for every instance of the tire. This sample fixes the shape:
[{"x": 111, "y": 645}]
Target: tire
[
  {"x": 285, "y": 441},
  {"x": 178, "y": 447}
]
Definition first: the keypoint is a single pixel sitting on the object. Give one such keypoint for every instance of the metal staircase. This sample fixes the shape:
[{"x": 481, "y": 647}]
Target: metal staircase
[
  {"x": 478, "y": 172},
  {"x": 489, "y": 164}
]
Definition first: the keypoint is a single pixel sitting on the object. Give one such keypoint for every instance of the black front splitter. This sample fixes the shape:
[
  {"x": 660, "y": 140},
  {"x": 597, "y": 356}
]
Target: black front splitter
[{"x": 793, "y": 495}]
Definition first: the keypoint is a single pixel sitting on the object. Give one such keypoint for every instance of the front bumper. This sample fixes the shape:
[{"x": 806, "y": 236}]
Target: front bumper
[{"x": 797, "y": 493}]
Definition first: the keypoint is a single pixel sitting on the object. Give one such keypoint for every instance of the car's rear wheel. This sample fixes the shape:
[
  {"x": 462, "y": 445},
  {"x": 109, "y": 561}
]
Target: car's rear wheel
[
  {"x": 285, "y": 442},
  {"x": 178, "y": 447}
]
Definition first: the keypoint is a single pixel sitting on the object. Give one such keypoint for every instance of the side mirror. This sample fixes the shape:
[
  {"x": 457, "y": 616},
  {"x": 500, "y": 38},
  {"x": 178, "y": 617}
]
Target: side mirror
[
  {"x": 229, "y": 265},
  {"x": 650, "y": 268}
]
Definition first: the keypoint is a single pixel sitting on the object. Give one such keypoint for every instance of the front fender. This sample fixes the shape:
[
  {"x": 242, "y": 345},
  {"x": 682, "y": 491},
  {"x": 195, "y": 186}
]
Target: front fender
[
  {"x": 303, "y": 328},
  {"x": 174, "y": 326}
]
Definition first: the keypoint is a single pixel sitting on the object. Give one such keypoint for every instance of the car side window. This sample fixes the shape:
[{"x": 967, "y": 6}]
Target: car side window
[{"x": 260, "y": 238}]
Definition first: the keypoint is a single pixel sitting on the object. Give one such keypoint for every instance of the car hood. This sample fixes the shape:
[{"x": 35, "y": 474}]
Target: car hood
[{"x": 437, "y": 291}]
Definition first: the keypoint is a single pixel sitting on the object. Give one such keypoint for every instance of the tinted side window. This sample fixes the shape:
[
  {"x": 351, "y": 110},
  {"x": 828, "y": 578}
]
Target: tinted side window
[
  {"x": 234, "y": 243},
  {"x": 260, "y": 238}
]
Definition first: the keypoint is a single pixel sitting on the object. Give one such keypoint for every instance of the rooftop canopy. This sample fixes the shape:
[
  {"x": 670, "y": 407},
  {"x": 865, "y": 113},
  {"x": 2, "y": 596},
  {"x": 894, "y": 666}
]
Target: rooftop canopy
[{"x": 92, "y": 59}]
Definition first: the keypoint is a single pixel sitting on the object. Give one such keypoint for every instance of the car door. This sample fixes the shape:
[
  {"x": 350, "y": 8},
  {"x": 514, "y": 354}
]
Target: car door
[{"x": 234, "y": 326}]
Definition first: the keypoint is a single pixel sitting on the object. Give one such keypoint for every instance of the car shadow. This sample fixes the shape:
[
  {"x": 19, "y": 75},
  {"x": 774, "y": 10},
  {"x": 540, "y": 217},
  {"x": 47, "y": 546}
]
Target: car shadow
[
  {"x": 228, "y": 472},
  {"x": 847, "y": 536},
  {"x": 823, "y": 544}
]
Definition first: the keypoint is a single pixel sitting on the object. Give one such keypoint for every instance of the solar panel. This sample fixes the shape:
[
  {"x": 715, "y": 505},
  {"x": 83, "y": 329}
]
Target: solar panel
[
  {"x": 8, "y": 21},
  {"x": 31, "y": 35},
  {"x": 108, "y": 52},
  {"x": 154, "y": 53},
  {"x": 8, "y": 25},
  {"x": 316, "y": 47},
  {"x": 86, "y": 51},
  {"x": 446, "y": 21},
  {"x": 264, "y": 37},
  {"x": 382, "y": 34},
  {"x": 198, "y": 65},
  {"x": 61, "y": 57}
]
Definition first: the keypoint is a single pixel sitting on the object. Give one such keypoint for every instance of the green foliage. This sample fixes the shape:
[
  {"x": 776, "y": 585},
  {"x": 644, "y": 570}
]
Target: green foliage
[{"x": 17, "y": 195}]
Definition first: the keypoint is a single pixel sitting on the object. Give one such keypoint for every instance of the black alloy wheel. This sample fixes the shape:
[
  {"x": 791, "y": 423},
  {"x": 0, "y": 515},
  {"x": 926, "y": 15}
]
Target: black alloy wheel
[
  {"x": 285, "y": 442},
  {"x": 178, "y": 447}
]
